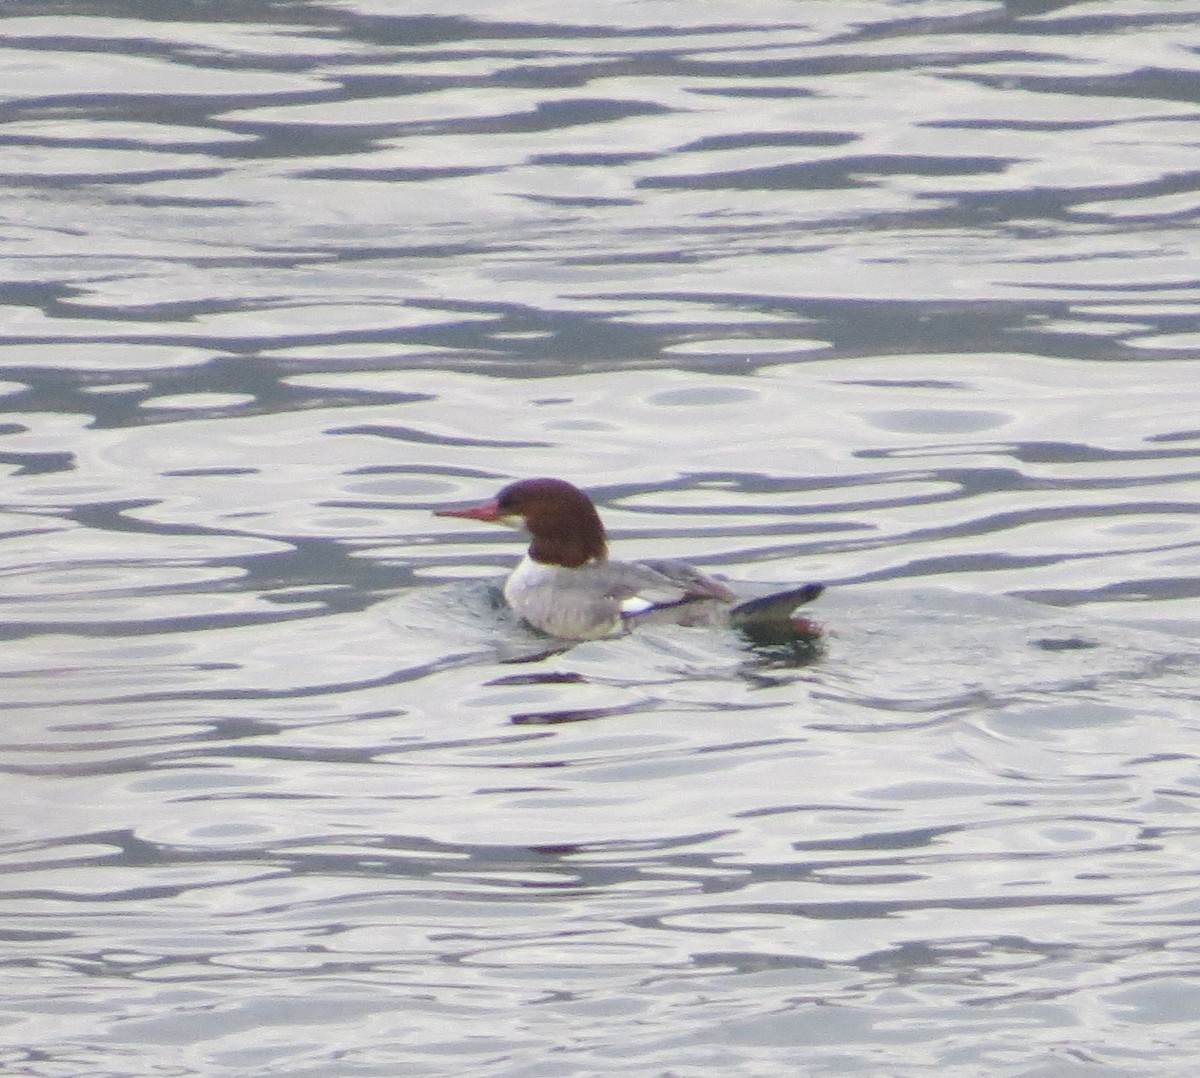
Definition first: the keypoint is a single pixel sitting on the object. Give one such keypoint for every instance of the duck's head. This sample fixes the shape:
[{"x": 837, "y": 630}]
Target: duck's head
[{"x": 565, "y": 528}]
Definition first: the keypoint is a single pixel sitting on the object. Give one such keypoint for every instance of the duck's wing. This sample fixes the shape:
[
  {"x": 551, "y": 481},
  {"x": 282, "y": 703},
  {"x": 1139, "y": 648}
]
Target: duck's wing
[{"x": 687, "y": 581}]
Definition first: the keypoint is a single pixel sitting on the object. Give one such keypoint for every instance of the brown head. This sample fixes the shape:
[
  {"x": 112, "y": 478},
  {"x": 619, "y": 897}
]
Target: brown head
[{"x": 565, "y": 526}]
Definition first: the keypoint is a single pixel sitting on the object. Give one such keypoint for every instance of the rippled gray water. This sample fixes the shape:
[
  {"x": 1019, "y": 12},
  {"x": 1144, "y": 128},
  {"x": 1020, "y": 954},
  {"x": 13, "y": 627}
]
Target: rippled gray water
[{"x": 899, "y": 296}]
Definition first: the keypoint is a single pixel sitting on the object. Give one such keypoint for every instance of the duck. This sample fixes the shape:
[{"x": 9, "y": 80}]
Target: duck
[{"x": 566, "y": 586}]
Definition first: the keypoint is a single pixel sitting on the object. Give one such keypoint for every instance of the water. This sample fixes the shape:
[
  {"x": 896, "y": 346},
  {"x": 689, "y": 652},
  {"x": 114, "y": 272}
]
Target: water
[{"x": 897, "y": 296}]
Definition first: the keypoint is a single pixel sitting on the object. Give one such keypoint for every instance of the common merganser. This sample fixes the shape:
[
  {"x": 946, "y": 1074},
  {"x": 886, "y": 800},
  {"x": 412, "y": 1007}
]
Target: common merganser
[{"x": 566, "y": 586}]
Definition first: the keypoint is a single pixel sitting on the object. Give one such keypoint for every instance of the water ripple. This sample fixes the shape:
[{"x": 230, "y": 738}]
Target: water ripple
[{"x": 896, "y": 297}]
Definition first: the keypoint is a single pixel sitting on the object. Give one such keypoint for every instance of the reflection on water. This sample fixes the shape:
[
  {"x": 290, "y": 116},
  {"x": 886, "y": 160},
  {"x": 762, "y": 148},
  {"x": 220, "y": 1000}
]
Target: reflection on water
[{"x": 897, "y": 297}]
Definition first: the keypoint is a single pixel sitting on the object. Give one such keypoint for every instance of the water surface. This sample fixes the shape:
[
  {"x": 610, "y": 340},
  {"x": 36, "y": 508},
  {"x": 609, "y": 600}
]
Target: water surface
[{"x": 897, "y": 296}]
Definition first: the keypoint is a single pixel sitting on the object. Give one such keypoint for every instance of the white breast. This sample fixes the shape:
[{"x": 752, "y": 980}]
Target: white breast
[{"x": 575, "y": 604}]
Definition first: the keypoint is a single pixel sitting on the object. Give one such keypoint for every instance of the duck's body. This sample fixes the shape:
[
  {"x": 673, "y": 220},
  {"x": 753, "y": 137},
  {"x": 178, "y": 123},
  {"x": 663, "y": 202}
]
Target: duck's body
[
  {"x": 597, "y": 598},
  {"x": 566, "y": 585}
]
